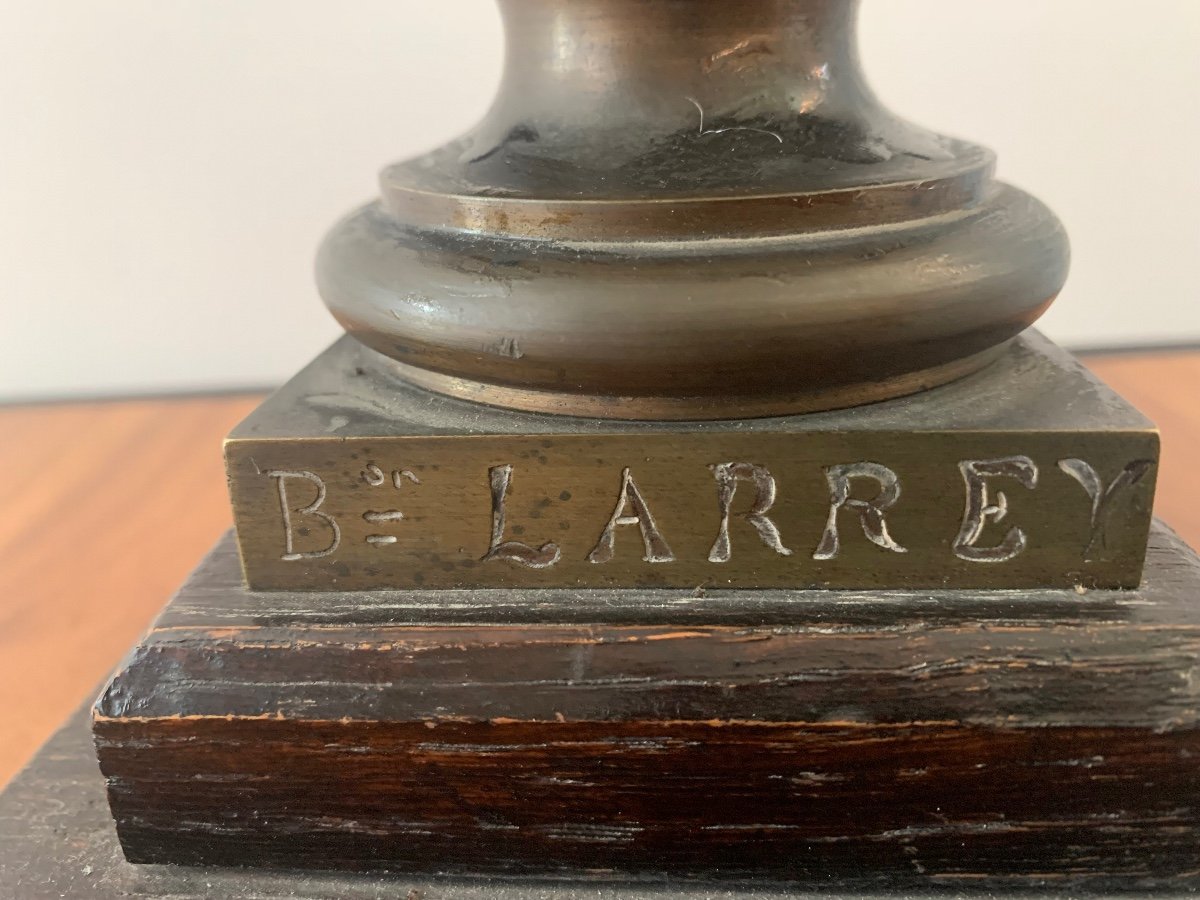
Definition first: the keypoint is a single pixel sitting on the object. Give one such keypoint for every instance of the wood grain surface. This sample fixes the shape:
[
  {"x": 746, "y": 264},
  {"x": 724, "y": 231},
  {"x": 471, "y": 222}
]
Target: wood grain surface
[
  {"x": 109, "y": 505},
  {"x": 908, "y": 738},
  {"x": 57, "y": 840}
]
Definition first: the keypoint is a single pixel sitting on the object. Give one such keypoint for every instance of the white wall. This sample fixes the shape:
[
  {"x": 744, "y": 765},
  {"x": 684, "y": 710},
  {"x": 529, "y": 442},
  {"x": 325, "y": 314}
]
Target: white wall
[{"x": 168, "y": 166}]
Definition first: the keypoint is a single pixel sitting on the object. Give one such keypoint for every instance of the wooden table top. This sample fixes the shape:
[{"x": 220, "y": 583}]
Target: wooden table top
[{"x": 110, "y": 504}]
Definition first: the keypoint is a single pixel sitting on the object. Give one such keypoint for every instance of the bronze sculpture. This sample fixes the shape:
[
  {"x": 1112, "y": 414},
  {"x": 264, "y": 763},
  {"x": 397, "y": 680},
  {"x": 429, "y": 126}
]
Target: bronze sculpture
[
  {"x": 571, "y": 561},
  {"x": 691, "y": 210}
]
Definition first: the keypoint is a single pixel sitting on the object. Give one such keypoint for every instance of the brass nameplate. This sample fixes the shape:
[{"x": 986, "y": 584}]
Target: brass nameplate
[
  {"x": 346, "y": 480},
  {"x": 693, "y": 510}
]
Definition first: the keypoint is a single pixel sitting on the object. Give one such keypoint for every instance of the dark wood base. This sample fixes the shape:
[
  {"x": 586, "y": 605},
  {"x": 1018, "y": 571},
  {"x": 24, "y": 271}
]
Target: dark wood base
[
  {"x": 57, "y": 841},
  {"x": 998, "y": 739}
]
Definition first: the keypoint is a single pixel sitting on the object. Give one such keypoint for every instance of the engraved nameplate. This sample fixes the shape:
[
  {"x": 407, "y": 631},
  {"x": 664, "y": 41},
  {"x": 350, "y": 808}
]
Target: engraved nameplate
[
  {"x": 1029, "y": 474},
  {"x": 692, "y": 511}
]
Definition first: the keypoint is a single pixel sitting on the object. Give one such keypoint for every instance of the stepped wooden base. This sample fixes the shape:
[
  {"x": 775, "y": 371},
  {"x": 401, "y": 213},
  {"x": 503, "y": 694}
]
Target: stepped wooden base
[{"x": 916, "y": 738}]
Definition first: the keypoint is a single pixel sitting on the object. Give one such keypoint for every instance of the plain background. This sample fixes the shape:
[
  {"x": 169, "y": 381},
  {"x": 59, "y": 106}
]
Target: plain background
[{"x": 167, "y": 167}]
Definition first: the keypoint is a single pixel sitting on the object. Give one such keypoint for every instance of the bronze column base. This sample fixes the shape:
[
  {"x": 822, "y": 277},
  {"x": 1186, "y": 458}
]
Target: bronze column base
[{"x": 571, "y": 560}]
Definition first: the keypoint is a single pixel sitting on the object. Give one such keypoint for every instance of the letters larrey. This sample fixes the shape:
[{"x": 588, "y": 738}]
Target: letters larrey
[{"x": 860, "y": 497}]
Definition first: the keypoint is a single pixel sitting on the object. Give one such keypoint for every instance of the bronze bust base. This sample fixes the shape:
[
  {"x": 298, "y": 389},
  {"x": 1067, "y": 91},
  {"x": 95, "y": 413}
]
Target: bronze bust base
[
  {"x": 349, "y": 479},
  {"x": 690, "y": 209},
  {"x": 687, "y": 501},
  {"x": 488, "y": 696}
]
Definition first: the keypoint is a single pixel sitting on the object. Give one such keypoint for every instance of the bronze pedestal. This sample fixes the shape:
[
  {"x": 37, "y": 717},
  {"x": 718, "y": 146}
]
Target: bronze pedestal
[
  {"x": 690, "y": 209},
  {"x": 688, "y": 501}
]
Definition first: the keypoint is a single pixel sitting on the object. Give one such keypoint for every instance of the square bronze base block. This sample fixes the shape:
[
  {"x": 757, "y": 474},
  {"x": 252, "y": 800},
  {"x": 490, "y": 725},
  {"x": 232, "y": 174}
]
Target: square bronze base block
[
  {"x": 1027, "y": 474},
  {"x": 921, "y": 738}
]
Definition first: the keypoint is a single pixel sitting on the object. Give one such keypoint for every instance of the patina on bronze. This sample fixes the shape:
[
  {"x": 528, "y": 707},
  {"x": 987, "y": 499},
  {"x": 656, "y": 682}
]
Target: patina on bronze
[
  {"x": 690, "y": 209},
  {"x": 586, "y": 628},
  {"x": 1028, "y": 474}
]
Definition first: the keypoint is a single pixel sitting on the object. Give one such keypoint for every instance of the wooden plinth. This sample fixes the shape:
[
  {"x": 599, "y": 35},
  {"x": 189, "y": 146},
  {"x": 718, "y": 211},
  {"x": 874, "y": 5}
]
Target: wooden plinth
[
  {"x": 57, "y": 841},
  {"x": 996, "y": 739}
]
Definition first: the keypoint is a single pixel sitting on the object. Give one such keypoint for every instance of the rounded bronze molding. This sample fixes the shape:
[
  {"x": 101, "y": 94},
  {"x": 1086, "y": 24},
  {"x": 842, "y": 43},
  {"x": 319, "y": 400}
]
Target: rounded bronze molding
[{"x": 690, "y": 209}]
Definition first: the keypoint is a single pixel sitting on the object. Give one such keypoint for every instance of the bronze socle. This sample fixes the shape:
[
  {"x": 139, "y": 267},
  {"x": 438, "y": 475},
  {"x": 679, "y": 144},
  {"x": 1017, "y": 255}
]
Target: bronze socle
[
  {"x": 653, "y": 613},
  {"x": 690, "y": 209}
]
